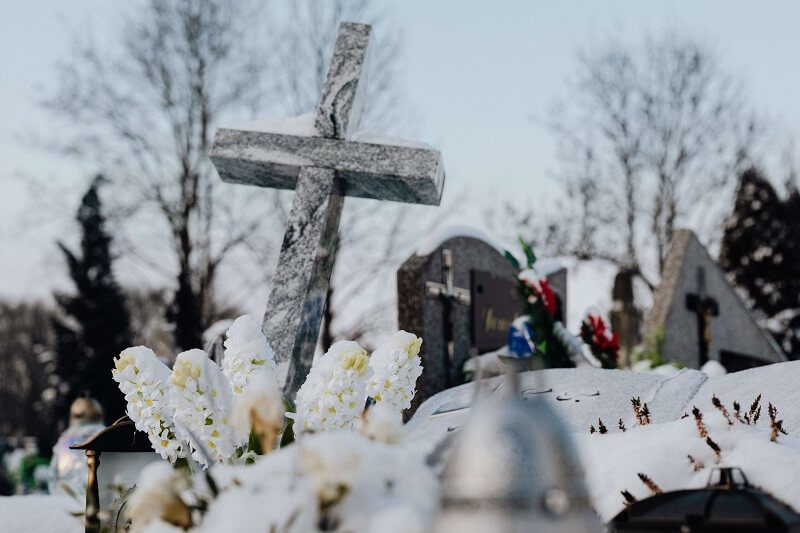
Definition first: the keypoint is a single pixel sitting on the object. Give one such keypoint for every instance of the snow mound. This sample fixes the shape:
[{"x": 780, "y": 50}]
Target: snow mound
[
  {"x": 300, "y": 125},
  {"x": 614, "y": 460},
  {"x": 428, "y": 245},
  {"x": 40, "y": 514}
]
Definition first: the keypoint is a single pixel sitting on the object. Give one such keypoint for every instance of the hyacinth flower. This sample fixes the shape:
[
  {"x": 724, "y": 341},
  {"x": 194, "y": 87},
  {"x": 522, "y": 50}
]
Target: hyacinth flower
[
  {"x": 201, "y": 401},
  {"x": 246, "y": 351},
  {"x": 258, "y": 413},
  {"x": 395, "y": 368},
  {"x": 335, "y": 391},
  {"x": 143, "y": 380}
]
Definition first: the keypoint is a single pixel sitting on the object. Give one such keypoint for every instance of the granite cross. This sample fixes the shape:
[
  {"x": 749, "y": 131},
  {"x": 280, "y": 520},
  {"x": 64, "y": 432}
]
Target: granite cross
[
  {"x": 450, "y": 295},
  {"x": 705, "y": 307},
  {"x": 322, "y": 168}
]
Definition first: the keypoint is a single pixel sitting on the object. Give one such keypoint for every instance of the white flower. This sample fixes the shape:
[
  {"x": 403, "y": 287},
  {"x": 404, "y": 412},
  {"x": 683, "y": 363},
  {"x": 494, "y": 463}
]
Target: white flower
[
  {"x": 260, "y": 409},
  {"x": 157, "y": 498},
  {"x": 143, "y": 380},
  {"x": 396, "y": 366},
  {"x": 383, "y": 423},
  {"x": 246, "y": 350},
  {"x": 334, "y": 393},
  {"x": 201, "y": 398}
]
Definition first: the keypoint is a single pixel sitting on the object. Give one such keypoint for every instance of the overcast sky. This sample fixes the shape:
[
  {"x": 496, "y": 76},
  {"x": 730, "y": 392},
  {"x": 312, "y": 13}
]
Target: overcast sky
[{"x": 474, "y": 72}]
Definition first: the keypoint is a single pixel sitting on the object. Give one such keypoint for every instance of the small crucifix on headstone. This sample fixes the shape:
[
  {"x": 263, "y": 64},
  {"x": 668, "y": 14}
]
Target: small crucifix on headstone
[
  {"x": 450, "y": 296},
  {"x": 322, "y": 168},
  {"x": 705, "y": 307}
]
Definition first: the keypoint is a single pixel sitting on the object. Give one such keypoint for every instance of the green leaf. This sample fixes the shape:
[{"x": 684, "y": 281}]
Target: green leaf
[
  {"x": 513, "y": 260},
  {"x": 254, "y": 444},
  {"x": 529, "y": 255},
  {"x": 288, "y": 431}
]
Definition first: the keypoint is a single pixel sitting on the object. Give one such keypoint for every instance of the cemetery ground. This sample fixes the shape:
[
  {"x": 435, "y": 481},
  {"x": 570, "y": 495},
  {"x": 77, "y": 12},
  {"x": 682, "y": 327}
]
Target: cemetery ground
[{"x": 486, "y": 410}]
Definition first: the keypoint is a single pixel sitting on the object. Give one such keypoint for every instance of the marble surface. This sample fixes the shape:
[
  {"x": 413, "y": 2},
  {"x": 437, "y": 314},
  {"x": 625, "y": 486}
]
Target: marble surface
[
  {"x": 297, "y": 301},
  {"x": 381, "y": 171},
  {"x": 322, "y": 168},
  {"x": 339, "y": 108}
]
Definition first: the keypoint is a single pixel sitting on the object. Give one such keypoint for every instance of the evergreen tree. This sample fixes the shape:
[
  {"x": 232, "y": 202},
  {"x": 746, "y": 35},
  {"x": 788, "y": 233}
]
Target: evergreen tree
[
  {"x": 94, "y": 326},
  {"x": 760, "y": 252}
]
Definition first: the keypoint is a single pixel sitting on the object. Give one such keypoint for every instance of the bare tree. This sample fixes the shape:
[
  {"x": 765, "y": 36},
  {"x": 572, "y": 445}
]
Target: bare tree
[
  {"x": 26, "y": 355},
  {"x": 647, "y": 138},
  {"x": 145, "y": 107}
]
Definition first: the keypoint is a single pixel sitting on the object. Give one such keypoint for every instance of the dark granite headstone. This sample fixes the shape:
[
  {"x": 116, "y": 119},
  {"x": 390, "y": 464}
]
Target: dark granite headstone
[{"x": 475, "y": 265}]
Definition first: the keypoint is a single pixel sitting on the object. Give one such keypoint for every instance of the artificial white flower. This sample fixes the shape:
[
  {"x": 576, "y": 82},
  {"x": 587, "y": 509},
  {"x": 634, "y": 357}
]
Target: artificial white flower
[
  {"x": 334, "y": 393},
  {"x": 202, "y": 401},
  {"x": 143, "y": 380},
  {"x": 246, "y": 351},
  {"x": 382, "y": 423},
  {"x": 396, "y": 366},
  {"x": 259, "y": 409}
]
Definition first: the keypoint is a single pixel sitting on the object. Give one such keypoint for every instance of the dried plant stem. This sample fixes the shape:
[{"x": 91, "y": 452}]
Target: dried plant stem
[
  {"x": 649, "y": 483},
  {"x": 698, "y": 421},
  {"x": 775, "y": 425},
  {"x": 714, "y": 446},
  {"x": 696, "y": 465},
  {"x": 721, "y": 408},
  {"x": 630, "y": 499}
]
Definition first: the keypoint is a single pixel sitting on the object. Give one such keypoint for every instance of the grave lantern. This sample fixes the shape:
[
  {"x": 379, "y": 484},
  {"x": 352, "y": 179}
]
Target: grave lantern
[
  {"x": 727, "y": 503},
  {"x": 512, "y": 469},
  {"x": 115, "y": 456}
]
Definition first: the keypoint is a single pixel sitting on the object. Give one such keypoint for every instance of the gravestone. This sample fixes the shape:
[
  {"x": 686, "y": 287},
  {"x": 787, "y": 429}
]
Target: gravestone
[
  {"x": 625, "y": 317},
  {"x": 700, "y": 315},
  {"x": 460, "y": 296},
  {"x": 323, "y": 165}
]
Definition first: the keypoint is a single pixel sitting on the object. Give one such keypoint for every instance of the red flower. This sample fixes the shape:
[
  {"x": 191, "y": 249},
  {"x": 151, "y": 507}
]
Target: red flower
[
  {"x": 599, "y": 335},
  {"x": 548, "y": 298}
]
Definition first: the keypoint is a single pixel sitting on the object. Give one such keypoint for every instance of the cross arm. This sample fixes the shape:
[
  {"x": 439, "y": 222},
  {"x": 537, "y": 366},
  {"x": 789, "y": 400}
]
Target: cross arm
[
  {"x": 699, "y": 304},
  {"x": 367, "y": 170}
]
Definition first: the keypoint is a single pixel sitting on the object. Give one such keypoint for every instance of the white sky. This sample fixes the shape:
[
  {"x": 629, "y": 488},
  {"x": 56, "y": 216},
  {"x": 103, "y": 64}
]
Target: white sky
[{"x": 475, "y": 73}]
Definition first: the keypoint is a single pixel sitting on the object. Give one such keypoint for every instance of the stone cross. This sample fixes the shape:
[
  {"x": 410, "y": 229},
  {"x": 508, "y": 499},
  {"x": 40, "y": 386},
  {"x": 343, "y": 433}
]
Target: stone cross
[
  {"x": 450, "y": 295},
  {"x": 705, "y": 307},
  {"x": 322, "y": 169}
]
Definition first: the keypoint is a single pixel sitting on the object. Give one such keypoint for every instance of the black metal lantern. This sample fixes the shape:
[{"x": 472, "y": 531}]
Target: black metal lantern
[
  {"x": 125, "y": 451},
  {"x": 728, "y": 504}
]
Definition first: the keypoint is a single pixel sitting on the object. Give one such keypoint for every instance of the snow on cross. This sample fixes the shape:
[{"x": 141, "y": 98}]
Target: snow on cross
[{"x": 322, "y": 168}]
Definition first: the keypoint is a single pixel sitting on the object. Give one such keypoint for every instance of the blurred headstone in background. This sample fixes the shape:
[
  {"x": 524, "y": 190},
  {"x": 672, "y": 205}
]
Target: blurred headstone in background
[{"x": 700, "y": 317}]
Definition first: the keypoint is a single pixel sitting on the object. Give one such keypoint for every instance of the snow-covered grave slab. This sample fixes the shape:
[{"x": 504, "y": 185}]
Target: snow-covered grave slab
[
  {"x": 661, "y": 449},
  {"x": 40, "y": 513},
  {"x": 582, "y": 395}
]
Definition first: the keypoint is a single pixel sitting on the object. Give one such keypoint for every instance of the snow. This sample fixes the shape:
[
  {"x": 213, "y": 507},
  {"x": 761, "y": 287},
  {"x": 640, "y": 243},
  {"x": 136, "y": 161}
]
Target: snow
[
  {"x": 40, "y": 514},
  {"x": 713, "y": 369},
  {"x": 428, "y": 245},
  {"x": 589, "y": 285},
  {"x": 612, "y": 461},
  {"x": 374, "y": 138},
  {"x": 300, "y": 125},
  {"x": 358, "y": 482}
]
